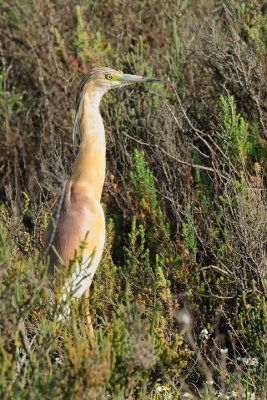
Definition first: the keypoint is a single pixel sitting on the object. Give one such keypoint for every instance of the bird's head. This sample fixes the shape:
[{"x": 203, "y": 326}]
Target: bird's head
[{"x": 104, "y": 79}]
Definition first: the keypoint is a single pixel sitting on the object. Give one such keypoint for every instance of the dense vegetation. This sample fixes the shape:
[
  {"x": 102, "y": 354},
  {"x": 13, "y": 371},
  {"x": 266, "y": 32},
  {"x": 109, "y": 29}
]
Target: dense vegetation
[{"x": 179, "y": 302}]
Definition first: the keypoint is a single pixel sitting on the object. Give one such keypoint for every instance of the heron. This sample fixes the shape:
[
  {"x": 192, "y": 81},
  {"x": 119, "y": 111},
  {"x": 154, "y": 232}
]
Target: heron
[{"x": 78, "y": 216}]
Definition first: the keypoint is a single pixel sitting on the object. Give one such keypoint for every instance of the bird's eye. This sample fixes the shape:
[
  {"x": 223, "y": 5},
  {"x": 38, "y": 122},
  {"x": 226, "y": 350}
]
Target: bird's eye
[{"x": 109, "y": 77}]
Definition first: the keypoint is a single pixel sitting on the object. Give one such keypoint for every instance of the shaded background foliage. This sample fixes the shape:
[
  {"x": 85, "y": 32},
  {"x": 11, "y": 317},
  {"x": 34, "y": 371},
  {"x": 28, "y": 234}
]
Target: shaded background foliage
[{"x": 185, "y": 199}]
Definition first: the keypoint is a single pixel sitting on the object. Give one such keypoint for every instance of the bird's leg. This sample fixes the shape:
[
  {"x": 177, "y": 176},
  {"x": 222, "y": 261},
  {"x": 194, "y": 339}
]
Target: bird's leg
[{"x": 88, "y": 318}]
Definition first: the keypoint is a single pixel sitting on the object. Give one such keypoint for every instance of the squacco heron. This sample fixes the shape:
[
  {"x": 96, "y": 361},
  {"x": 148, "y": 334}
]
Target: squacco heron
[{"x": 79, "y": 217}]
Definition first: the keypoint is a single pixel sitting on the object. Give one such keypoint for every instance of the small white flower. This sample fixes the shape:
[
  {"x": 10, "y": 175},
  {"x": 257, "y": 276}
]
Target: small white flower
[
  {"x": 160, "y": 389},
  {"x": 204, "y": 334},
  {"x": 224, "y": 351},
  {"x": 186, "y": 395},
  {"x": 250, "y": 361}
]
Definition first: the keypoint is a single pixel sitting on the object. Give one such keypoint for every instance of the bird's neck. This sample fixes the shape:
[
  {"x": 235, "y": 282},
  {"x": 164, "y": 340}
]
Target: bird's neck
[{"x": 90, "y": 165}]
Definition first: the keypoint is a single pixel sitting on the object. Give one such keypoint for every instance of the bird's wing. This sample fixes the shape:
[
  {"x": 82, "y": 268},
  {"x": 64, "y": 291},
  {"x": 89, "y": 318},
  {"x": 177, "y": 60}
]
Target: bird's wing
[{"x": 76, "y": 230}]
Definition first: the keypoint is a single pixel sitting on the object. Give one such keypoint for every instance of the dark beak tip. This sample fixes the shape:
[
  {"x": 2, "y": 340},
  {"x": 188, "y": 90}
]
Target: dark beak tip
[{"x": 152, "y": 79}]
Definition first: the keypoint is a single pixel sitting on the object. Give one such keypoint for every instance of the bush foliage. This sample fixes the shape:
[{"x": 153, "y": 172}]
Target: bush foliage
[{"x": 179, "y": 302}]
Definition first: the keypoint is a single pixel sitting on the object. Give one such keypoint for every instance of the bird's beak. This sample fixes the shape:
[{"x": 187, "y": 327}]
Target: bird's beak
[{"x": 127, "y": 79}]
